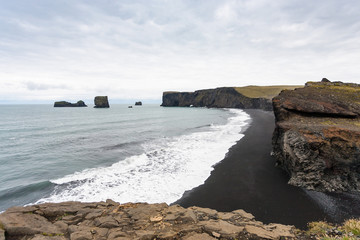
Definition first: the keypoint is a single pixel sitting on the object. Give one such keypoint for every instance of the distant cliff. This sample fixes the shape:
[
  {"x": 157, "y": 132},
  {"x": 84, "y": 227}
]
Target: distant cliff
[
  {"x": 68, "y": 104},
  {"x": 251, "y": 97},
  {"x": 317, "y": 135}
]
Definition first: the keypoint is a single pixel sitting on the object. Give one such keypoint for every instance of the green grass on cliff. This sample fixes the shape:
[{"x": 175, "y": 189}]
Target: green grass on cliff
[
  {"x": 263, "y": 91},
  {"x": 322, "y": 230}
]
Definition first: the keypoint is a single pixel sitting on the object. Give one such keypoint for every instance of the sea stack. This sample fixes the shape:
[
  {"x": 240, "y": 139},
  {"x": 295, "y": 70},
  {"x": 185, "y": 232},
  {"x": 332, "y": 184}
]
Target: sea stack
[
  {"x": 138, "y": 103},
  {"x": 68, "y": 104},
  {"x": 101, "y": 102},
  {"x": 317, "y": 135}
]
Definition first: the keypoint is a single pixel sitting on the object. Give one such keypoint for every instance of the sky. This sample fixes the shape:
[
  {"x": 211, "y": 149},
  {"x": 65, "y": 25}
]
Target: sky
[{"x": 136, "y": 49}]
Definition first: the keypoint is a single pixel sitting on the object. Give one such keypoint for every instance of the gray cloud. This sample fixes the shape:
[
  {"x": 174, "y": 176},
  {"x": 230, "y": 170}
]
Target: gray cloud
[
  {"x": 175, "y": 45},
  {"x": 33, "y": 86}
]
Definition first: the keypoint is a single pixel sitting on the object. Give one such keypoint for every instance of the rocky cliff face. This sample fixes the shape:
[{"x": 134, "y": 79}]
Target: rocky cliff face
[
  {"x": 111, "y": 220},
  {"x": 68, "y": 104},
  {"x": 317, "y": 135},
  {"x": 226, "y": 97},
  {"x": 101, "y": 102}
]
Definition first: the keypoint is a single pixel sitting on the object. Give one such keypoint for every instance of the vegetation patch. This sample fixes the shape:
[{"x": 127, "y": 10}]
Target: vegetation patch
[{"x": 267, "y": 92}]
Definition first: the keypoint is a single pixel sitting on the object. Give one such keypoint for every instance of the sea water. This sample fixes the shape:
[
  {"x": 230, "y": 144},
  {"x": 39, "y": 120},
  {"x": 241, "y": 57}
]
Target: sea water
[{"x": 141, "y": 154}]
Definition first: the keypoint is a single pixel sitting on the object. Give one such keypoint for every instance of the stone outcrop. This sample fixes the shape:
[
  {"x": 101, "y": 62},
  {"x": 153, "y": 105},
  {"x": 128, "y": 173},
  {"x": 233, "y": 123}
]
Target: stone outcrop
[
  {"x": 68, "y": 104},
  {"x": 138, "y": 103},
  {"x": 317, "y": 135},
  {"x": 101, "y": 102},
  {"x": 111, "y": 220},
  {"x": 226, "y": 97}
]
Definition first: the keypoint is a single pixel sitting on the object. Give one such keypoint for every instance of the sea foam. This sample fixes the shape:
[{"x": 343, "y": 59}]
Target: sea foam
[{"x": 169, "y": 167}]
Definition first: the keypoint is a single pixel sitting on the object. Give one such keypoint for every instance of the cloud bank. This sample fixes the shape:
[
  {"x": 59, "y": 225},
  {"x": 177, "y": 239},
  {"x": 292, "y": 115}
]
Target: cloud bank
[{"x": 128, "y": 49}]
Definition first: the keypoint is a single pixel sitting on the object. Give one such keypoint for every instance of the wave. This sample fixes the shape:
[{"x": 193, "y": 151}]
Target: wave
[{"x": 168, "y": 167}]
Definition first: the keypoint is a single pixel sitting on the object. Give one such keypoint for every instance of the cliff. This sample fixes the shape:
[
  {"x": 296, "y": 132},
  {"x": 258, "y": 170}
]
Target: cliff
[
  {"x": 111, "y": 220},
  {"x": 68, "y": 104},
  {"x": 317, "y": 135},
  {"x": 251, "y": 97}
]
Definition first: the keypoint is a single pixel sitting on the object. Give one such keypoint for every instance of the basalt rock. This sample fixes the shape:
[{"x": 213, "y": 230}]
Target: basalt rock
[
  {"x": 317, "y": 135},
  {"x": 68, "y": 104},
  {"x": 226, "y": 97},
  {"x": 138, "y": 103},
  {"x": 111, "y": 220},
  {"x": 101, "y": 102}
]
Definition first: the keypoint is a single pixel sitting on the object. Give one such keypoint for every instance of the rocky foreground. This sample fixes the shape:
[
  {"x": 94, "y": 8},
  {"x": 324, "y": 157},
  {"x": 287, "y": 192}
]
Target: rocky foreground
[
  {"x": 317, "y": 135},
  {"x": 111, "y": 220}
]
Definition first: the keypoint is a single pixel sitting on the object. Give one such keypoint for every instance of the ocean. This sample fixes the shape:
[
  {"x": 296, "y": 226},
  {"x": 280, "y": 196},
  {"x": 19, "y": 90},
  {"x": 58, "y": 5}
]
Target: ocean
[{"x": 142, "y": 154}]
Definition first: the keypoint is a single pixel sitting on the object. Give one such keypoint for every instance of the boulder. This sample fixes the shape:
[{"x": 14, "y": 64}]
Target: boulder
[
  {"x": 317, "y": 135},
  {"x": 101, "y": 102},
  {"x": 138, "y": 103},
  {"x": 68, "y": 104}
]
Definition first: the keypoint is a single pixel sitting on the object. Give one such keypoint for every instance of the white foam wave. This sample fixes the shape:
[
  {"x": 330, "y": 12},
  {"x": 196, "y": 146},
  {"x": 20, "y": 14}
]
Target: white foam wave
[{"x": 169, "y": 168}]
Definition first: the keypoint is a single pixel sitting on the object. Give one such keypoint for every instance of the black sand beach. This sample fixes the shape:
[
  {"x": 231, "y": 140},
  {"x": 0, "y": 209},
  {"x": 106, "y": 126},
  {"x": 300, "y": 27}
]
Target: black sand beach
[{"x": 248, "y": 179}]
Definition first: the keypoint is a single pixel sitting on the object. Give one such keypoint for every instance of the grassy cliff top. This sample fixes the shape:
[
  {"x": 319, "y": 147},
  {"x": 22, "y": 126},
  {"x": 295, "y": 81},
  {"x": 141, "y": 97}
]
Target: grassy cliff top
[
  {"x": 256, "y": 91},
  {"x": 264, "y": 91}
]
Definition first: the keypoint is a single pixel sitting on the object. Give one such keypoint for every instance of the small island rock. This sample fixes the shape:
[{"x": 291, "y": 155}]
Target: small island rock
[
  {"x": 68, "y": 104},
  {"x": 138, "y": 103},
  {"x": 101, "y": 102}
]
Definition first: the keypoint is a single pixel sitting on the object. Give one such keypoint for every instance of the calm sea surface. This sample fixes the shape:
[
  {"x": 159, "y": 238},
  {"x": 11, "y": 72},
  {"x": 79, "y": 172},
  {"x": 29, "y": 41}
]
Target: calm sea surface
[{"x": 148, "y": 153}]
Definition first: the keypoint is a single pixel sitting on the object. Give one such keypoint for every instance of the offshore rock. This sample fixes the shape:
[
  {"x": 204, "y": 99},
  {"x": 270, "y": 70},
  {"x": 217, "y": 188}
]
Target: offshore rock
[
  {"x": 111, "y": 220},
  {"x": 317, "y": 135},
  {"x": 68, "y": 104},
  {"x": 101, "y": 102},
  {"x": 138, "y": 103},
  {"x": 226, "y": 97}
]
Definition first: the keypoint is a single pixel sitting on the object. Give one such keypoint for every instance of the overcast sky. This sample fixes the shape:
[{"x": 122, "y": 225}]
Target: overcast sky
[{"x": 129, "y": 49}]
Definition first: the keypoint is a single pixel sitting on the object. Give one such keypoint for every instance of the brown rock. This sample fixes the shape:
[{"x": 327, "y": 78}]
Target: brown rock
[
  {"x": 2, "y": 234},
  {"x": 260, "y": 232},
  {"x": 198, "y": 236},
  {"x": 224, "y": 228},
  {"x": 81, "y": 235},
  {"x": 116, "y": 233},
  {"x": 26, "y": 224},
  {"x": 244, "y": 214},
  {"x": 42, "y": 237},
  {"x": 106, "y": 222}
]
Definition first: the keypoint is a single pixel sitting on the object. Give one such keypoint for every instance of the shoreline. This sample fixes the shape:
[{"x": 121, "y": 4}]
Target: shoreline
[{"x": 248, "y": 179}]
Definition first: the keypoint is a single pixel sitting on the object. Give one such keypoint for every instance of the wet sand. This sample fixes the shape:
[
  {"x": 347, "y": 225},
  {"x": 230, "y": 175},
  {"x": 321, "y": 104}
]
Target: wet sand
[{"x": 248, "y": 179}]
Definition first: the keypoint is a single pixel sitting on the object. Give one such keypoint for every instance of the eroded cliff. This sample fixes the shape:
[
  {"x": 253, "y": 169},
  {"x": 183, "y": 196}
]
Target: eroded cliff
[
  {"x": 226, "y": 97},
  {"x": 317, "y": 135}
]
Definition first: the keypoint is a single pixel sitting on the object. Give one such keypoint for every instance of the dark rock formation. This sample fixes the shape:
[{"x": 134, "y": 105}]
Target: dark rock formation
[
  {"x": 110, "y": 220},
  {"x": 101, "y": 102},
  {"x": 317, "y": 135},
  {"x": 138, "y": 103},
  {"x": 226, "y": 97},
  {"x": 68, "y": 104}
]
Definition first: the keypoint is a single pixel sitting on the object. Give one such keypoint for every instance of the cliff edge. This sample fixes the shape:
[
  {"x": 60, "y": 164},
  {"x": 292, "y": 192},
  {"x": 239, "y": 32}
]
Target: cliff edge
[
  {"x": 251, "y": 97},
  {"x": 317, "y": 135},
  {"x": 111, "y": 220}
]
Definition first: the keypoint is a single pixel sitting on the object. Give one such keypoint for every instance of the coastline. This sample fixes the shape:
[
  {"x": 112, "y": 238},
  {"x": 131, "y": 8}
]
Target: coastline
[{"x": 248, "y": 179}]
